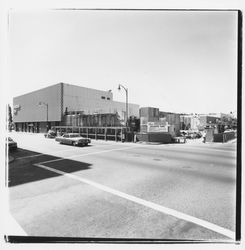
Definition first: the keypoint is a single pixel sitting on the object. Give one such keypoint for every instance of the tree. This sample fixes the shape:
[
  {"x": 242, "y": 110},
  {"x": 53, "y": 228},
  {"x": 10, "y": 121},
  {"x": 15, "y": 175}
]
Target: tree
[
  {"x": 134, "y": 123},
  {"x": 10, "y": 117}
]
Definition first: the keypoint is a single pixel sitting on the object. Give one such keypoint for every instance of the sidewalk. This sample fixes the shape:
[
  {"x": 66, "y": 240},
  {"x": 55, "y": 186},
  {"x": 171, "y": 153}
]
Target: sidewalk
[
  {"x": 200, "y": 141},
  {"x": 231, "y": 141},
  {"x": 13, "y": 132},
  {"x": 149, "y": 143},
  {"x": 194, "y": 141}
]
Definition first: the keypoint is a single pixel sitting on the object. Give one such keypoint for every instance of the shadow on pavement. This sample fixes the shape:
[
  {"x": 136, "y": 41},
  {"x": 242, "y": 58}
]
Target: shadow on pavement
[{"x": 22, "y": 170}]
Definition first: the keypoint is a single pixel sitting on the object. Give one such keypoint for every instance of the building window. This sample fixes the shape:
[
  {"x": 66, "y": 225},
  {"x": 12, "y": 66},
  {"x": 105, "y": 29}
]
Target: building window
[
  {"x": 108, "y": 98},
  {"x": 102, "y": 97}
]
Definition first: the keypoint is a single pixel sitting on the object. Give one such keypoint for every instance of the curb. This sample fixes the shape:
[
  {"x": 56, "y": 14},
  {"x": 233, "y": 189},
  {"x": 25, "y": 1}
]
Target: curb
[{"x": 150, "y": 143}]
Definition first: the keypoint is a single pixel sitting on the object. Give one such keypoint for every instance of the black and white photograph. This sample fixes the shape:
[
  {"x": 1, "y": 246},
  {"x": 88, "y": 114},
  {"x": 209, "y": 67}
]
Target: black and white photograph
[{"x": 123, "y": 125}]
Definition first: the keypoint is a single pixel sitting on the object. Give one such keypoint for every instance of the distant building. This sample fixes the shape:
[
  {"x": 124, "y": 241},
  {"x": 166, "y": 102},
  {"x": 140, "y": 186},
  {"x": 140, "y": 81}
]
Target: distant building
[
  {"x": 60, "y": 100},
  {"x": 208, "y": 120},
  {"x": 153, "y": 120},
  {"x": 189, "y": 122},
  {"x": 218, "y": 115},
  {"x": 148, "y": 116},
  {"x": 173, "y": 121}
]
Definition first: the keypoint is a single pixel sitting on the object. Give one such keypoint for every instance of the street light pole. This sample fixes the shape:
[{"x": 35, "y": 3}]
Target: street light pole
[
  {"x": 47, "y": 115},
  {"x": 126, "y": 90}
]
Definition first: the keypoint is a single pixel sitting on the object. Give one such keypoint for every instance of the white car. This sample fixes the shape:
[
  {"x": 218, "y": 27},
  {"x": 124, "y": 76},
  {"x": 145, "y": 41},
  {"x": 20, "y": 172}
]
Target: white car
[{"x": 73, "y": 139}]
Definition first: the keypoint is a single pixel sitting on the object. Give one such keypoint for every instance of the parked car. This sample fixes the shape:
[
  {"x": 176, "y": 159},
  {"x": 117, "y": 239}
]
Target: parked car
[
  {"x": 73, "y": 139},
  {"x": 12, "y": 145},
  {"x": 198, "y": 135},
  {"x": 50, "y": 134},
  {"x": 179, "y": 139},
  {"x": 183, "y": 134}
]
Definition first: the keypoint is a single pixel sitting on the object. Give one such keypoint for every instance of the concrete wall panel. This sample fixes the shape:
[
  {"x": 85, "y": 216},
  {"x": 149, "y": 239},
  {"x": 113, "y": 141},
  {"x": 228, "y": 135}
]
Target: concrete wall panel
[
  {"x": 26, "y": 108},
  {"x": 92, "y": 101}
]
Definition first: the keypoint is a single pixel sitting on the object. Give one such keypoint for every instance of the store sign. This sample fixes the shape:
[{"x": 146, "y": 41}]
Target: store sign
[
  {"x": 157, "y": 128},
  {"x": 17, "y": 108}
]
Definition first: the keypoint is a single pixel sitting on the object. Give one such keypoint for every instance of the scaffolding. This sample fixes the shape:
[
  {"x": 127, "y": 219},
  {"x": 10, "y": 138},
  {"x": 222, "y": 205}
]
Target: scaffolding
[{"x": 97, "y": 133}]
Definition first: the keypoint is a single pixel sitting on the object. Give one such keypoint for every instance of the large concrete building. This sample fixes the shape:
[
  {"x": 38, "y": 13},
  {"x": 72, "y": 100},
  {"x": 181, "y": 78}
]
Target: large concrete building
[{"x": 33, "y": 111}]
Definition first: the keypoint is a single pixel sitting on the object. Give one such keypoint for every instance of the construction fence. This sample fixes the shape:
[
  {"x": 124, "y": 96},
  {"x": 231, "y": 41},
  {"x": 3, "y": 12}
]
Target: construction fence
[{"x": 98, "y": 133}]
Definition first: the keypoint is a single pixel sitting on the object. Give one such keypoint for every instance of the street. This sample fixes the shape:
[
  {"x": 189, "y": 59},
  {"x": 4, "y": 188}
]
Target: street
[{"x": 123, "y": 190}]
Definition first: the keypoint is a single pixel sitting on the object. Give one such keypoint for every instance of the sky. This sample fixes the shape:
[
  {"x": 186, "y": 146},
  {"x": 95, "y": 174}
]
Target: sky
[{"x": 177, "y": 61}]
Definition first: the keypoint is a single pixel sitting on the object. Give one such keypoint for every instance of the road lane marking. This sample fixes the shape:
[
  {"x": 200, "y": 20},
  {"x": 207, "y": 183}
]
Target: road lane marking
[
  {"x": 29, "y": 156},
  {"x": 91, "y": 153},
  {"x": 186, "y": 146},
  {"x": 203, "y": 150},
  {"x": 186, "y": 149},
  {"x": 162, "y": 209},
  {"x": 60, "y": 151},
  {"x": 221, "y": 150}
]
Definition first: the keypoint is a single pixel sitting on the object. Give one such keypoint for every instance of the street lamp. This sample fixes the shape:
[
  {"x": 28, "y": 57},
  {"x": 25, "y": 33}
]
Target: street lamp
[
  {"x": 126, "y": 90},
  {"x": 44, "y": 104}
]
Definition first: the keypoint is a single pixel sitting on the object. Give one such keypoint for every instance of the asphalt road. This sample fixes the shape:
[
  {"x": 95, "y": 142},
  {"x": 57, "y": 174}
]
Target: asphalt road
[{"x": 123, "y": 190}]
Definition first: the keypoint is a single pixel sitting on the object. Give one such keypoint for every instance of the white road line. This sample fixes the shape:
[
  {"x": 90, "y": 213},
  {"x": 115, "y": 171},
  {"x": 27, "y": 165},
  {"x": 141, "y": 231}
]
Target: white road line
[
  {"x": 183, "y": 147},
  {"x": 61, "y": 151},
  {"x": 186, "y": 146},
  {"x": 91, "y": 153},
  {"x": 148, "y": 204},
  {"x": 206, "y": 149},
  {"x": 209, "y": 147},
  {"x": 133, "y": 145},
  {"x": 29, "y": 156}
]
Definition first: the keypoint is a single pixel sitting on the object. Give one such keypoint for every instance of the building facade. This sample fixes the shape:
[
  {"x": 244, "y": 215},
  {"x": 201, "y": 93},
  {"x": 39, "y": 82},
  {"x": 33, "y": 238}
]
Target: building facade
[
  {"x": 153, "y": 120},
  {"x": 173, "y": 121},
  {"x": 148, "y": 117},
  {"x": 208, "y": 120},
  {"x": 190, "y": 122},
  {"x": 38, "y": 110}
]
